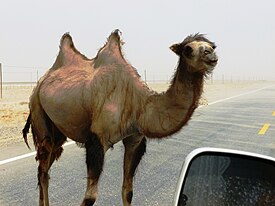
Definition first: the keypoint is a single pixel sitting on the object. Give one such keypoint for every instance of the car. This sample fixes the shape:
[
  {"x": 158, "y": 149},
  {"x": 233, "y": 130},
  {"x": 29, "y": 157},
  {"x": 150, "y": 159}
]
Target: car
[{"x": 217, "y": 176}]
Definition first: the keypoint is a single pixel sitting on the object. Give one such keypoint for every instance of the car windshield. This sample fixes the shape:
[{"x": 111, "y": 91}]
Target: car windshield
[{"x": 228, "y": 180}]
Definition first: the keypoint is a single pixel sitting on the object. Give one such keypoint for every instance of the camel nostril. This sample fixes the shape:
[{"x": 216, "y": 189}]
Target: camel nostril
[{"x": 212, "y": 57}]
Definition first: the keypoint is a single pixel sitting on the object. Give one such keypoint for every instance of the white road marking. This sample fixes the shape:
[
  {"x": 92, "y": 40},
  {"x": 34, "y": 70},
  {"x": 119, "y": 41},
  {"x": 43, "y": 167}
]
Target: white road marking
[
  {"x": 239, "y": 95},
  {"x": 2, "y": 162}
]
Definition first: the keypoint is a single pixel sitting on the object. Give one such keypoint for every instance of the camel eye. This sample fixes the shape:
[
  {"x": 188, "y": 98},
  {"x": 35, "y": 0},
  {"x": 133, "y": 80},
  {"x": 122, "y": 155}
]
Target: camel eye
[
  {"x": 207, "y": 52},
  {"x": 214, "y": 47}
]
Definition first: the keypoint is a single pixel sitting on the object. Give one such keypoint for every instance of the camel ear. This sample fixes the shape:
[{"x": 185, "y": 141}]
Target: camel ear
[{"x": 176, "y": 48}]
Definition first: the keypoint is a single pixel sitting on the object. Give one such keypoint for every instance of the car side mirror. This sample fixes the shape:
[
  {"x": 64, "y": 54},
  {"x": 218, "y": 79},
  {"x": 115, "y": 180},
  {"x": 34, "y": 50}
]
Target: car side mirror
[{"x": 213, "y": 176}]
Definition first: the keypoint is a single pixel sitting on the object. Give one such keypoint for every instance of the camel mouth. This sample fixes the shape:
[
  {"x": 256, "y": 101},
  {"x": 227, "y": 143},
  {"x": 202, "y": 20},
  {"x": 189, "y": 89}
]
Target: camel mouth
[
  {"x": 210, "y": 59},
  {"x": 215, "y": 61},
  {"x": 212, "y": 62}
]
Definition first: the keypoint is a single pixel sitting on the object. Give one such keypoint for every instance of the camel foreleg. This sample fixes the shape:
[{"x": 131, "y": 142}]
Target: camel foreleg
[
  {"x": 135, "y": 147},
  {"x": 94, "y": 161}
]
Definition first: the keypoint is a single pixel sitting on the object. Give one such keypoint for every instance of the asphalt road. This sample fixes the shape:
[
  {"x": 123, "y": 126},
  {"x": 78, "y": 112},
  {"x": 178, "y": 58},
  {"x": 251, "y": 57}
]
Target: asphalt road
[{"x": 231, "y": 123}]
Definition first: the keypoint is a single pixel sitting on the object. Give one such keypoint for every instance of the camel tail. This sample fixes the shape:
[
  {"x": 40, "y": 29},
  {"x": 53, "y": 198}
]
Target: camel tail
[{"x": 26, "y": 130}]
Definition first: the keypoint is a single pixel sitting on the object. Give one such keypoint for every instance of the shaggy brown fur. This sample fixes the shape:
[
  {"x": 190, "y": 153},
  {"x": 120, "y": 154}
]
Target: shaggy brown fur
[{"x": 98, "y": 102}]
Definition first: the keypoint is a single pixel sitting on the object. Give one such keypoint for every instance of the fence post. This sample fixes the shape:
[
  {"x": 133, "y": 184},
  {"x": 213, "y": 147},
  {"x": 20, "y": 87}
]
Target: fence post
[
  {"x": 1, "y": 80},
  {"x": 211, "y": 78},
  {"x": 145, "y": 78}
]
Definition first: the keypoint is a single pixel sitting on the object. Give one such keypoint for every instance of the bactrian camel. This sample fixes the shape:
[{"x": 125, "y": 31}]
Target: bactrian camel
[{"x": 101, "y": 101}]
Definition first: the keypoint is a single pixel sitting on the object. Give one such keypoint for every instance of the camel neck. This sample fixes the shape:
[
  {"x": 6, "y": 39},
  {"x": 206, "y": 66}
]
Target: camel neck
[{"x": 167, "y": 113}]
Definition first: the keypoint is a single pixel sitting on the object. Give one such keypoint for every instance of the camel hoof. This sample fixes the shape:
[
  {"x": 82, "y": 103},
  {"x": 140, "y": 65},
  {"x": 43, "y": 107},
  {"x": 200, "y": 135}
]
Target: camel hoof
[
  {"x": 88, "y": 202},
  {"x": 129, "y": 197}
]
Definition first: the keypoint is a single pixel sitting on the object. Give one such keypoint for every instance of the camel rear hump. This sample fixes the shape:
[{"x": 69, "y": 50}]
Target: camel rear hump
[{"x": 111, "y": 52}]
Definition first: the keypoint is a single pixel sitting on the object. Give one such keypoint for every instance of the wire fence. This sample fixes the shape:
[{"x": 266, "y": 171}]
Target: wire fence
[
  {"x": 21, "y": 73},
  {"x": 11, "y": 76}
]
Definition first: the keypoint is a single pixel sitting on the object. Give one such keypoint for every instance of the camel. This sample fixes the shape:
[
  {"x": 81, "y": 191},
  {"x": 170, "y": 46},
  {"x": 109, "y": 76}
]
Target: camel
[{"x": 101, "y": 101}]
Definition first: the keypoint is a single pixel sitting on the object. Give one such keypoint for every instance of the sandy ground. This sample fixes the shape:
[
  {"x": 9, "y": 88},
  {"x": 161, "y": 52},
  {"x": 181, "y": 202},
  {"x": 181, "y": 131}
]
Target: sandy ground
[
  {"x": 13, "y": 113},
  {"x": 14, "y": 104}
]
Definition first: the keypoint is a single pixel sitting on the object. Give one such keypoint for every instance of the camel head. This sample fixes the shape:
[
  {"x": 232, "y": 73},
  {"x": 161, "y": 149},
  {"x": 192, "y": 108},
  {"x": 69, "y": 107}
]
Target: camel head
[{"x": 197, "y": 52}]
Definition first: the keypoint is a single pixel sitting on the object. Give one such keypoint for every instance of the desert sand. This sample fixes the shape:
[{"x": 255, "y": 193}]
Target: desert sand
[{"x": 14, "y": 103}]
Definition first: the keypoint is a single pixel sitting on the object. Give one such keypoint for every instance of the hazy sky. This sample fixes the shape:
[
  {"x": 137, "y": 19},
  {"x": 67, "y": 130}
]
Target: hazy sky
[{"x": 244, "y": 31}]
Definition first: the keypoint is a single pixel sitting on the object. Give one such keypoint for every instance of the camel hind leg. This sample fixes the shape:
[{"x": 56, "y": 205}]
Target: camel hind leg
[
  {"x": 47, "y": 153},
  {"x": 44, "y": 156},
  {"x": 48, "y": 141},
  {"x": 135, "y": 147}
]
